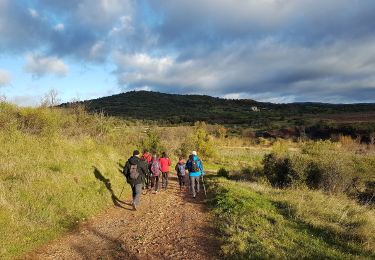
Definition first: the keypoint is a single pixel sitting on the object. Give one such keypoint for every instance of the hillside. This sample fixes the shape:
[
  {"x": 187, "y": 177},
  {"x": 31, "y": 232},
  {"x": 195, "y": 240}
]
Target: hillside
[
  {"x": 242, "y": 116},
  {"x": 174, "y": 108}
]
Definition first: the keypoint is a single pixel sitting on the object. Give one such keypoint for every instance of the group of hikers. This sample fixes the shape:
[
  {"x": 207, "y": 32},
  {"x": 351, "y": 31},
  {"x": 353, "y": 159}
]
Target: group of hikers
[{"x": 143, "y": 172}]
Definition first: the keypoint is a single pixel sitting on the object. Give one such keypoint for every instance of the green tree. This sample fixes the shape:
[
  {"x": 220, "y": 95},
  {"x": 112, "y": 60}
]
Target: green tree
[
  {"x": 201, "y": 141},
  {"x": 152, "y": 141}
]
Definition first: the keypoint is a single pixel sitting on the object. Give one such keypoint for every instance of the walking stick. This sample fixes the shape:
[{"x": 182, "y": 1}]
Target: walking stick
[
  {"x": 119, "y": 197},
  {"x": 204, "y": 187}
]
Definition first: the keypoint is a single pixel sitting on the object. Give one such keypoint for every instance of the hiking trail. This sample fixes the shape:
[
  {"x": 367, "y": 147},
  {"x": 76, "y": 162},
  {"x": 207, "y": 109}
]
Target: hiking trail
[{"x": 167, "y": 225}]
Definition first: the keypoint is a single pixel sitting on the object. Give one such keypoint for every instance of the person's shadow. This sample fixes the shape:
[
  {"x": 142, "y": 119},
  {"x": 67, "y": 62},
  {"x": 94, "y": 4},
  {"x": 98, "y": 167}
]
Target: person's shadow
[{"x": 99, "y": 176}]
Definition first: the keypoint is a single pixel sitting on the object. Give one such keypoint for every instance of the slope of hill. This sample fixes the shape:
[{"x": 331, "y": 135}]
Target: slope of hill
[{"x": 146, "y": 105}]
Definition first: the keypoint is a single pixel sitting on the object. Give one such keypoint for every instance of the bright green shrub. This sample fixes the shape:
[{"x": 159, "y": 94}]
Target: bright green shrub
[{"x": 201, "y": 141}]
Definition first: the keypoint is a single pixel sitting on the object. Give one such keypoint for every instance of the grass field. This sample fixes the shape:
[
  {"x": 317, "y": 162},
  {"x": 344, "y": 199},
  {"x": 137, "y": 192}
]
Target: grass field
[
  {"x": 49, "y": 185},
  {"x": 259, "y": 222}
]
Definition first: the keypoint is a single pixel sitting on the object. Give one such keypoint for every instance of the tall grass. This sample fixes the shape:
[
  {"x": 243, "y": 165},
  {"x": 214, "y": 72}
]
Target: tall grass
[
  {"x": 56, "y": 169},
  {"x": 263, "y": 223}
]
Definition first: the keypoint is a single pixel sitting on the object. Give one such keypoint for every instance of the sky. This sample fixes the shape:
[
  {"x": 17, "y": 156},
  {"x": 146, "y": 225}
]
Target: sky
[{"x": 268, "y": 50}]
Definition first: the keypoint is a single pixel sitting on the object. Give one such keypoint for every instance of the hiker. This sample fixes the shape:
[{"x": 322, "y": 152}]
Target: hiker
[
  {"x": 194, "y": 165},
  {"x": 155, "y": 172},
  {"x": 147, "y": 158},
  {"x": 165, "y": 162},
  {"x": 135, "y": 171},
  {"x": 180, "y": 170}
]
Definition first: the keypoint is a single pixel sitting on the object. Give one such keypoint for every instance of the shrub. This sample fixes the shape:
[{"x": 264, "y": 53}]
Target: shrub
[
  {"x": 279, "y": 170},
  {"x": 200, "y": 141},
  {"x": 152, "y": 142},
  {"x": 222, "y": 172},
  {"x": 321, "y": 165}
]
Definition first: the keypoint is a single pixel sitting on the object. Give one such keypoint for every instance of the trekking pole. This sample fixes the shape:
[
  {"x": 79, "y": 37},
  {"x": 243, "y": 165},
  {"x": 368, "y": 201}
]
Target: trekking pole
[
  {"x": 119, "y": 197},
  {"x": 204, "y": 187}
]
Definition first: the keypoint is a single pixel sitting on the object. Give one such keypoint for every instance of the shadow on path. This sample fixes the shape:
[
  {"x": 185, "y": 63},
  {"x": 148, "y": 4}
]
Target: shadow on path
[
  {"x": 110, "y": 247},
  {"x": 116, "y": 201}
]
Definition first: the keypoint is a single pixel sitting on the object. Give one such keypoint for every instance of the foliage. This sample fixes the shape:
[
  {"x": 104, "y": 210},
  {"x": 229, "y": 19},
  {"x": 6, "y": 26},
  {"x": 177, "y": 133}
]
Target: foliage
[
  {"x": 320, "y": 165},
  {"x": 201, "y": 141},
  {"x": 152, "y": 142},
  {"x": 305, "y": 119},
  {"x": 222, "y": 172},
  {"x": 280, "y": 171}
]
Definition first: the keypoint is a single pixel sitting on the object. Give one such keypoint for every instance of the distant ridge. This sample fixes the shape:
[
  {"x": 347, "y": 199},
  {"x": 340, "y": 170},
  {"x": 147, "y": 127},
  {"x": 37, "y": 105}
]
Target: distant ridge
[{"x": 175, "y": 108}]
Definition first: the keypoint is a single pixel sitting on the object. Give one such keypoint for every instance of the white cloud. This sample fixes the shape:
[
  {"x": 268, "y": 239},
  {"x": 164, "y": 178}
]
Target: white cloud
[
  {"x": 288, "y": 72},
  {"x": 40, "y": 66},
  {"x": 124, "y": 24},
  {"x": 34, "y": 13},
  {"x": 25, "y": 100},
  {"x": 98, "y": 51},
  {"x": 59, "y": 27},
  {"x": 102, "y": 12},
  {"x": 144, "y": 62},
  {"x": 5, "y": 78}
]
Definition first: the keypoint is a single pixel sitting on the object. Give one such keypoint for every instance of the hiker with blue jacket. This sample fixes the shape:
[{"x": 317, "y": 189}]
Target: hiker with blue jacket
[
  {"x": 194, "y": 165},
  {"x": 135, "y": 171}
]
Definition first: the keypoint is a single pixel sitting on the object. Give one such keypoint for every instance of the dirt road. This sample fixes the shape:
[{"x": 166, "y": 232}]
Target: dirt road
[{"x": 167, "y": 225}]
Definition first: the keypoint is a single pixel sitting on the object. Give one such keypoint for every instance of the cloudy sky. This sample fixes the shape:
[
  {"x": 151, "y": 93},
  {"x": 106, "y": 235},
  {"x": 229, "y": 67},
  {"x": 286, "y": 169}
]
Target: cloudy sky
[{"x": 268, "y": 50}]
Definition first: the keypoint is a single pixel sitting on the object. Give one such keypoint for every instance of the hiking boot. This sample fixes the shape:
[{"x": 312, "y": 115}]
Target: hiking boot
[{"x": 134, "y": 207}]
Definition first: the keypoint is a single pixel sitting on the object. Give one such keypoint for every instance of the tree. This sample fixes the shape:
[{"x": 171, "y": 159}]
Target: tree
[{"x": 51, "y": 98}]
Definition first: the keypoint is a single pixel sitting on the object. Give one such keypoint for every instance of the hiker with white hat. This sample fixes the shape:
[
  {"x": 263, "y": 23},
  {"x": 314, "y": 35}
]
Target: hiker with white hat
[{"x": 194, "y": 165}]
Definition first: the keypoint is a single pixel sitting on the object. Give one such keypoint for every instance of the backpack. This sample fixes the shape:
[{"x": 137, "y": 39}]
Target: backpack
[
  {"x": 181, "y": 169},
  {"x": 155, "y": 168},
  {"x": 133, "y": 172},
  {"x": 194, "y": 166}
]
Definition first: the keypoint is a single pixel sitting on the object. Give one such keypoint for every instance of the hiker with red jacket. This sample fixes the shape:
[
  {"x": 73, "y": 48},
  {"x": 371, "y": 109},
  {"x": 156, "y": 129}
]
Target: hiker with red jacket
[
  {"x": 135, "y": 171},
  {"x": 147, "y": 158},
  {"x": 165, "y": 162},
  {"x": 155, "y": 172},
  {"x": 194, "y": 165},
  {"x": 180, "y": 170}
]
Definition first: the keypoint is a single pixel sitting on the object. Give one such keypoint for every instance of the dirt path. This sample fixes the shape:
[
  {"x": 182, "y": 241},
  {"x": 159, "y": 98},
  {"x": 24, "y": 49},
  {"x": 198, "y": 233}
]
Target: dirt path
[{"x": 168, "y": 225}]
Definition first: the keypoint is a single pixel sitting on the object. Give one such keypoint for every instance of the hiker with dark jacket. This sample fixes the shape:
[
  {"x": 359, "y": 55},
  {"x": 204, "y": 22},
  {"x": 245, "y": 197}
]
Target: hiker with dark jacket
[
  {"x": 165, "y": 162},
  {"x": 180, "y": 170},
  {"x": 194, "y": 165},
  {"x": 135, "y": 171},
  {"x": 147, "y": 158}
]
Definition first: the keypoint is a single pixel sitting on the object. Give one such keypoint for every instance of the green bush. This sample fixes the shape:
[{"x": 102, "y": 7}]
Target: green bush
[
  {"x": 222, "y": 172},
  {"x": 280, "y": 170},
  {"x": 201, "y": 141},
  {"x": 152, "y": 142},
  {"x": 320, "y": 165}
]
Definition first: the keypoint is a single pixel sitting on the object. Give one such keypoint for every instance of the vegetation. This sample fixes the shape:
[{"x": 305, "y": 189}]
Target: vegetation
[
  {"x": 279, "y": 198},
  {"x": 57, "y": 168},
  {"x": 296, "y": 120},
  {"x": 259, "y": 222}
]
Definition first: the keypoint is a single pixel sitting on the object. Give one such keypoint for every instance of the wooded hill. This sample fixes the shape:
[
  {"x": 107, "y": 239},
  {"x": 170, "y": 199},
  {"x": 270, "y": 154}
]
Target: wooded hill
[{"x": 172, "y": 108}]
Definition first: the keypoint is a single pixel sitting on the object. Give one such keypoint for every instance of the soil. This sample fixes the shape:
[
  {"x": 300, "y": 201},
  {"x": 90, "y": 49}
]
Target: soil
[{"x": 167, "y": 225}]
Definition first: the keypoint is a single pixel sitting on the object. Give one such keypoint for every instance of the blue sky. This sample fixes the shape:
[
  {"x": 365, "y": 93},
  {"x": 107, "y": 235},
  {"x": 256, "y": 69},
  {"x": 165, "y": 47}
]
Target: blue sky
[{"x": 268, "y": 50}]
